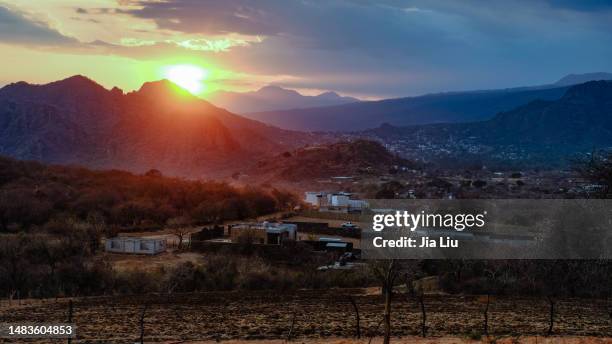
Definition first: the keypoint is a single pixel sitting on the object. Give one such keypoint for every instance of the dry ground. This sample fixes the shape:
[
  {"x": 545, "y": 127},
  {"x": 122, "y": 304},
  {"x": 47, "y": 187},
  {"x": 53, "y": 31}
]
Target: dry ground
[
  {"x": 125, "y": 262},
  {"x": 437, "y": 340},
  {"x": 319, "y": 316}
]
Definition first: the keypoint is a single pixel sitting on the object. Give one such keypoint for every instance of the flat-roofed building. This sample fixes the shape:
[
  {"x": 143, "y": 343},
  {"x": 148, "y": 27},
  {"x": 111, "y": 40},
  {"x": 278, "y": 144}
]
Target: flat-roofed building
[
  {"x": 271, "y": 233},
  {"x": 133, "y": 245}
]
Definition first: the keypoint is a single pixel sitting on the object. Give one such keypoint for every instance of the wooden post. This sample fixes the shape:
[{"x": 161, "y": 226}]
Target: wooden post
[
  {"x": 142, "y": 316},
  {"x": 357, "y": 320},
  {"x": 388, "y": 283},
  {"x": 486, "y": 316},
  {"x": 387, "y": 314},
  {"x": 290, "y": 335},
  {"x": 551, "y": 301},
  {"x": 376, "y": 330},
  {"x": 70, "y": 310},
  {"x": 423, "y": 314}
]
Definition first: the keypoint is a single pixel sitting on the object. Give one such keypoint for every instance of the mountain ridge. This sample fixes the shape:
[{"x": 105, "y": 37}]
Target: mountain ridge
[
  {"x": 273, "y": 97},
  {"x": 574, "y": 79},
  {"x": 76, "y": 120},
  {"x": 541, "y": 132},
  {"x": 447, "y": 107}
]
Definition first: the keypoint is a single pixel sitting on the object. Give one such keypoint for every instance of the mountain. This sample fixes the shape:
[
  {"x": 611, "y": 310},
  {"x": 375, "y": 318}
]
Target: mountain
[
  {"x": 541, "y": 132},
  {"x": 77, "y": 121},
  {"x": 274, "y": 98},
  {"x": 443, "y": 107},
  {"x": 580, "y": 120},
  {"x": 573, "y": 79},
  {"x": 433, "y": 108},
  {"x": 347, "y": 159}
]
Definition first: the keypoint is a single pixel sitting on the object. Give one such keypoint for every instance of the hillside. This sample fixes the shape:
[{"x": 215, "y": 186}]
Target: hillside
[
  {"x": 40, "y": 196},
  {"x": 574, "y": 79},
  {"x": 582, "y": 118},
  {"x": 347, "y": 159},
  {"x": 434, "y": 108},
  {"x": 452, "y": 107},
  {"x": 270, "y": 98},
  {"x": 541, "y": 132},
  {"x": 77, "y": 121}
]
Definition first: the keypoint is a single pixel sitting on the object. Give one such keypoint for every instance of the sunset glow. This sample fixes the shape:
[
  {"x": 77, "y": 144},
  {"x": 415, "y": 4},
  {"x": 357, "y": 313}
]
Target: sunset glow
[
  {"x": 408, "y": 48},
  {"x": 189, "y": 77}
]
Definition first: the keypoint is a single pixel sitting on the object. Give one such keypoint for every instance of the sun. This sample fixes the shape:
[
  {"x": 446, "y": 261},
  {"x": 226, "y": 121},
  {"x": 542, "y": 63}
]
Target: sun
[{"x": 189, "y": 77}]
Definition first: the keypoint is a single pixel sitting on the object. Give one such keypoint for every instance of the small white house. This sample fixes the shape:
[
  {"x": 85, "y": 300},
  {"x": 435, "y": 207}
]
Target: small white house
[
  {"x": 358, "y": 204},
  {"x": 135, "y": 245},
  {"x": 326, "y": 200},
  {"x": 339, "y": 200},
  {"x": 314, "y": 198}
]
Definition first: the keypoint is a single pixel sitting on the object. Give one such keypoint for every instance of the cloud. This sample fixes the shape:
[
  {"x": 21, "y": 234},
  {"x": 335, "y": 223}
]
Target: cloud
[
  {"x": 17, "y": 28},
  {"x": 382, "y": 47},
  {"x": 213, "y": 45},
  {"x": 398, "y": 47},
  {"x": 209, "y": 17}
]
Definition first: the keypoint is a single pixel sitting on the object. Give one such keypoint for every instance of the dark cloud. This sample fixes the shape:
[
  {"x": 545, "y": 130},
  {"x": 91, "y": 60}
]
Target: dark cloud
[
  {"x": 17, "y": 29},
  {"x": 373, "y": 29},
  {"x": 382, "y": 47},
  {"x": 212, "y": 17},
  {"x": 402, "y": 47},
  {"x": 98, "y": 10}
]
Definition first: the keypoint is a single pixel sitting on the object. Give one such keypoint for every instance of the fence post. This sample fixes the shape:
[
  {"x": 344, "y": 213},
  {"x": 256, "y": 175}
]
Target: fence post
[
  {"x": 290, "y": 335},
  {"x": 423, "y": 315},
  {"x": 142, "y": 316},
  {"x": 70, "y": 317},
  {"x": 358, "y": 328}
]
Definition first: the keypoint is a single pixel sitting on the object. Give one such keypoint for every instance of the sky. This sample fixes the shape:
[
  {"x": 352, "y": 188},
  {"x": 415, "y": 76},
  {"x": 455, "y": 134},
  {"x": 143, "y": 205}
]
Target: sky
[{"x": 368, "y": 49}]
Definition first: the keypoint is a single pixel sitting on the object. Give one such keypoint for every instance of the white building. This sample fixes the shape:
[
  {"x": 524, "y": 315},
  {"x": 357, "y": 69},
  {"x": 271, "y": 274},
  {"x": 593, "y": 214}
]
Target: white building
[
  {"x": 338, "y": 200},
  {"x": 314, "y": 198},
  {"x": 272, "y": 233},
  {"x": 135, "y": 245}
]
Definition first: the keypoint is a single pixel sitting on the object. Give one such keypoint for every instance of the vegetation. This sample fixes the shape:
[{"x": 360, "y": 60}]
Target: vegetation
[
  {"x": 546, "y": 279},
  {"x": 42, "y": 266},
  {"x": 351, "y": 158},
  {"x": 597, "y": 168},
  {"x": 35, "y": 196},
  {"x": 53, "y": 218}
]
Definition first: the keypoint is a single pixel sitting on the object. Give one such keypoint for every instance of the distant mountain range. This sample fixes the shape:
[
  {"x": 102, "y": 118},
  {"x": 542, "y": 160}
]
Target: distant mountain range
[
  {"x": 274, "y": 98},
  {"x": 433, "y": 108},
  {"x": 542, "y": 132},
  {"x": 574, "y": 79},
  {"x": 77, "y": 121}
]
